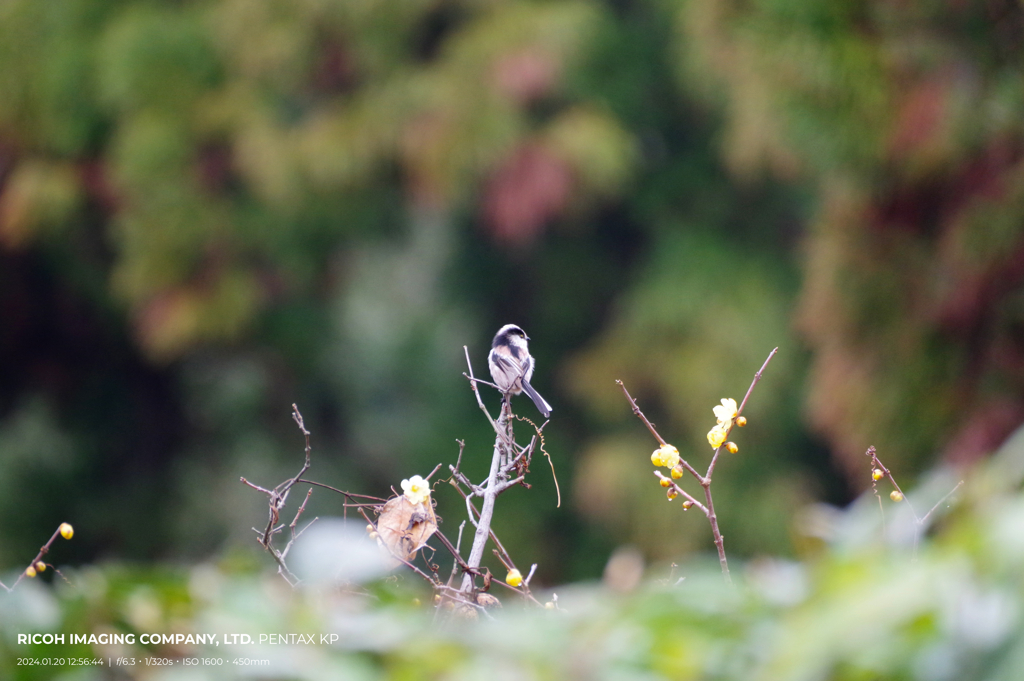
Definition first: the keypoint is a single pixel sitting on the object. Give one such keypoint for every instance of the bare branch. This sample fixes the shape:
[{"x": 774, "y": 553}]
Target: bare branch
[{"x": 705, "y": 480}]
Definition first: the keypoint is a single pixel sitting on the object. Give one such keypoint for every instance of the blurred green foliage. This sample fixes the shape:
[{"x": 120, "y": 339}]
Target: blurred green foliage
[
  {"x": 210, "y": 210},
  {"x": 907, "y": 119},
  {"x": 865, "y": 605}
]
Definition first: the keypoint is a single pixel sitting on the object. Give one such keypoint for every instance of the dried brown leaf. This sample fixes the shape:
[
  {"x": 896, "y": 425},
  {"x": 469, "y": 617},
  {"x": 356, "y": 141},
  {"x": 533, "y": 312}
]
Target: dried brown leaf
[{"x": 404, "y": 528}]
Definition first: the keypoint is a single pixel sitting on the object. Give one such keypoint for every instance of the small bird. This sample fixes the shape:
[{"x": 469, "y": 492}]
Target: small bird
[{"x": 512, "y": 366}]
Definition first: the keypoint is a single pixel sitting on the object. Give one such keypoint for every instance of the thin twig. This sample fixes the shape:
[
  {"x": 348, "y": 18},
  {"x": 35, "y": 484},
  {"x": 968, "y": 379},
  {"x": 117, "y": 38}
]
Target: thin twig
[
  {"x": 679, "y": 490},
  {"x": 939, "y": 502},
  {"x": 431, "y": 473},
  {"x": 479, "y": 400},
  {"x": 458, "y": 461},
  {"x": 640, "y": 415},
  {"x": 919, "y": 522},
  {"x": 533, "y": 569},
  {"x": 39, "y": 556},
  {"x": 458, "y": 547},
  {"x": 473, "y": 511},
  {"x": 650, "y": 426}
]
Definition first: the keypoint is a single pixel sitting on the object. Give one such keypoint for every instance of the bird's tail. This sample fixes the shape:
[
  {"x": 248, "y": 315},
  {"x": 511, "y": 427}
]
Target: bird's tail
[{"x": 542, "y": 406}]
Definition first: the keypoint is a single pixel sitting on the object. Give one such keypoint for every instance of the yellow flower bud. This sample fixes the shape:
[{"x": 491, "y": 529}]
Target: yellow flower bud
[
  {"x": 716, "y": 436},
  {"x": 877, "y": 474},
  {"x": 687, "y": 505},
  {"x": 514, "y": 577},
  {"x": 741, "y": 421},
  {"x": 732, "y": 447},
  {"x": 40, "y": 566},
  {"x": 656, "y": 458},
  {"x": 677, "y": 472},
  {"x": 67, "y": 531},
  {"x": 370, "y": 528},
  {"x": 895, "y": 496},
  {"x": 30, "y": 571},
  {"x": 665, "y": 482},
  {"x": 672, "y": 494}
]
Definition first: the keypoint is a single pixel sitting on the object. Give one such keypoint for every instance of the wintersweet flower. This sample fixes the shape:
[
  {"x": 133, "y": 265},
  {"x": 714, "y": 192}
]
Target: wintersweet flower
[
  {"x": 514, "y": 577},
  {"x": 416, "y": 490},
  {"x": 717, "y": 435},
  {"x": 666, "y": 455},
  {"x": 725, "y": 412},
  {"x": 66, "y": 531}
]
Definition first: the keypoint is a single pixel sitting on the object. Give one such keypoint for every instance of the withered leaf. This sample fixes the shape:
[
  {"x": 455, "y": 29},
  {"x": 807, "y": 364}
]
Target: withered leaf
[{"x": 404, "y": 528}]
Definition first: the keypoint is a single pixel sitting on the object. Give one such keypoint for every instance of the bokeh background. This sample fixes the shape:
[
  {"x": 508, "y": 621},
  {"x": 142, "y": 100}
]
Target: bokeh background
[{"x": 212, "y": 209}]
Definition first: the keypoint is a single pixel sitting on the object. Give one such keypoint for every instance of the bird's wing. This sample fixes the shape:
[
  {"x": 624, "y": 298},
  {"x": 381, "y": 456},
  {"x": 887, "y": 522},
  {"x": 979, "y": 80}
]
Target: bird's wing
[
  {"x": 505, "y": 370},
  {"x": 508, "y": 364}
]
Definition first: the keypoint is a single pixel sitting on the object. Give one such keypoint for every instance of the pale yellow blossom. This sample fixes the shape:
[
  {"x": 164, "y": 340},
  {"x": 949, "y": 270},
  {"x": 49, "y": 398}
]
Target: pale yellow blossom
[
  {"x": 725, "y": 412},
  {"x": 416, "y": 489},
  {"x": 666, "y": 455},
  {"x": 716, "y": 436}
]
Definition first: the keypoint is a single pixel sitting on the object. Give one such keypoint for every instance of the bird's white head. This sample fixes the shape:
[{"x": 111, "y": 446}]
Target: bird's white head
[{"x": 510, "y": 335}]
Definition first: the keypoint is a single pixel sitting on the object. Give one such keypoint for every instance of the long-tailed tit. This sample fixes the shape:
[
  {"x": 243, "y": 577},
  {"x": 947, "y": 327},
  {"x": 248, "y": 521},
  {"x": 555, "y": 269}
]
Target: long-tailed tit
[{"x": 512, "y": 366}]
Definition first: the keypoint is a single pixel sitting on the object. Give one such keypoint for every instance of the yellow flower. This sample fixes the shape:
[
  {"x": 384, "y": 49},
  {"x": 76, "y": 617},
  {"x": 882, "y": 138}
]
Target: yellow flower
[
  {"x": 656, "y": 458},
  {"x": 732, "y": 447},
  {"x": 895, "y": 496},
  {"x": 40, "y": 566},
  {"x": 725, "y": 412},
  {"x": 677, "y": 472},
  {"x": 30, "y": 571},
  {"x": 877, "y": 475},
  {"x": 716, "y": 436},
  {"x": 66, "y": 531},
  {"x": 669, "y": 456},
  {"x": 416, "y": 490},
  {"x": 514, "y": 577}
]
